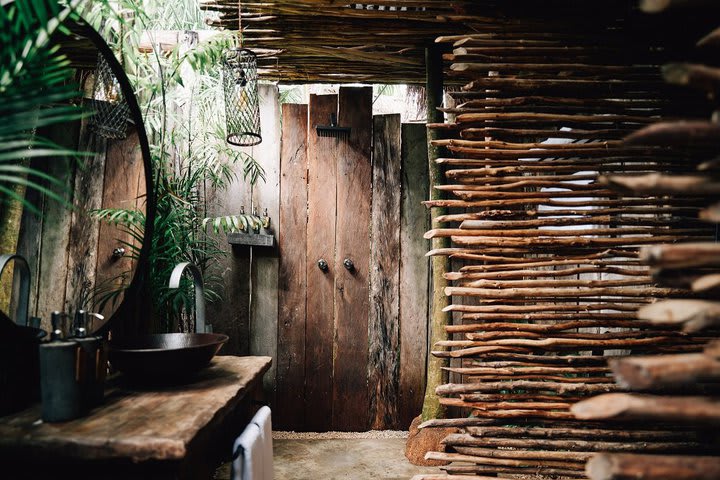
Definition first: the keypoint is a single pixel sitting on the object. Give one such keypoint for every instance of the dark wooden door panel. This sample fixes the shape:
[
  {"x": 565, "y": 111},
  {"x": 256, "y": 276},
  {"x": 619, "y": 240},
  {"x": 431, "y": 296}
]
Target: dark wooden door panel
[
  {"x": 322, "y": 180},
  {"x": 289, "y": 411},
  {"x": 354, "y": 174}
]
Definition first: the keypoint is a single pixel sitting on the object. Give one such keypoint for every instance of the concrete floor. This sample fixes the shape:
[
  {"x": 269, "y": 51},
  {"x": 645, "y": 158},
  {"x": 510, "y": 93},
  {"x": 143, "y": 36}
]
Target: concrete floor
[{"x": 339, "y": 459}]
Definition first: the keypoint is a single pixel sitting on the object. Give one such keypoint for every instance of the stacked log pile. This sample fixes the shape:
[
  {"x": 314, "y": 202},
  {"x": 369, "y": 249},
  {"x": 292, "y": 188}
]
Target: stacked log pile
[
  {"x": 550, "y": 259},
  {"x": 678, "y": 388}
]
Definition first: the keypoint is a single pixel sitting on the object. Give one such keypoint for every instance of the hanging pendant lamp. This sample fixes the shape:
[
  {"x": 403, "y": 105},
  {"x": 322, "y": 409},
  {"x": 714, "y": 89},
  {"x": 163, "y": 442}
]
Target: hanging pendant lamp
[
  {"x": 111, "y": 110},
  {"x": 242, "y": 104}
]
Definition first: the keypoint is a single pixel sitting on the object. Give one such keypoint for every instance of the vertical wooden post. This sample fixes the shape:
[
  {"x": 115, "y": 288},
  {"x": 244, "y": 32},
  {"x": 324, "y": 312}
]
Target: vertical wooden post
[
  {"x": 384, "y": 324},
  {"x": 352, "y": 242},
  {"x": 289, "y": 407},
  {"x": 440, "y": 263},
  {"x": 264, "y": 268},
  {"x": 414, "y": 272},
  {"x": 322, "y": 155}
]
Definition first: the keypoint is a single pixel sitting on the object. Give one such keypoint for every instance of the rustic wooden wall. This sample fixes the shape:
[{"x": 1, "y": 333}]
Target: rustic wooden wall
[
  {"x": 351, "y": 344},
  {"x": 248, "y": 313}
]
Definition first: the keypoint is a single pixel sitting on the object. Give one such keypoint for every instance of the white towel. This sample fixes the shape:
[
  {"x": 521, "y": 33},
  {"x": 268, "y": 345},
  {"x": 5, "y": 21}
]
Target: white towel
[
  {"x": 252, "y": 452},
  {"x": 264, "y": 422}
]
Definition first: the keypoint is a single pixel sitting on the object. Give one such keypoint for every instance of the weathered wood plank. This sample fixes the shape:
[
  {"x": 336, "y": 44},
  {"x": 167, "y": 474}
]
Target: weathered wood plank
[
  {"x": 289, "y": 411},
  {"x": 354, "y": 176},
  {"x": 84, "y": 232},
  {"x": 323, "y": 156},
  {"x": 384, "y": 320},
  {"x": 44, "y": 241},
  {"x": 231, "y": 315},
  {"x": 414, "y": 272},
  {"x": 185, "y": 429},
  {"x": 124, "y": 173},
  {"x": 264, "y": 299}
]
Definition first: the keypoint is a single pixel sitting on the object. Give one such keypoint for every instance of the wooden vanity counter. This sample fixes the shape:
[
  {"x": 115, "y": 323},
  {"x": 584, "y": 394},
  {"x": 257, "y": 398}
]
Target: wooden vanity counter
[{"x": 177, "y": 432}]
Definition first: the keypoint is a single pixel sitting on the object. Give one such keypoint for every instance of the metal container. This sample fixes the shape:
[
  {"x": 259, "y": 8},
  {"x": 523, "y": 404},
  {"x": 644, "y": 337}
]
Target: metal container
[
  {"x": 92, "y": 369},
  {"x": 61, "y": 392},
  {"x": 19, "y": 367}
]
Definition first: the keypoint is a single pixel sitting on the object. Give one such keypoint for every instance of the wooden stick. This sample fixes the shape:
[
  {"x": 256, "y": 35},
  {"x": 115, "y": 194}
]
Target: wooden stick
[
  {"x": 621, "y": 406},
  {"x": 662, "y": 372},
  {"x": 495, "y": 469},
  {"x": 562, "y": 292},
  {"x": 526, "y": 370},
  {"x": 693, "y": 315},
  {"x": 557, "y": 203},
  {"x": 510, "y": 405},
  {"x": 559, "y": 242},
  {"x": 581, "y": 433},
  {"x": 528, "y": 327},
  {"x": 456, "y": 457},
  {"x": 442, "y": 476},
  {"x": 700, "y": 77},
  {"x": 683, "y": 133},
  {"x": 659, "y": 184},
  {"x": 557, "y": 343},
  {"x": 562, "y": 388},
  {"x": 526, "y": 454},
  {"x": 565, "y": 272},
  {"x": 682, "y": 255},
  {"x": 606, "y": 466},
  {"x": 574, "y": 134},
  {"x": 546, "y": 232},
  {"x": 500, "y": 397},
  {"x": 536, "y": 359},
  {"x": 456, "y": 422},
  {"x": 570, "y": 444},
  {"x": 521, "y": 309},
  {"x": 712, "y": 39}
]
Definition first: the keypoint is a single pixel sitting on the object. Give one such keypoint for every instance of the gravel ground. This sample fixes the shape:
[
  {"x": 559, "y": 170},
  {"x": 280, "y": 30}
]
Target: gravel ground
[{"x": 339, "y": 435}]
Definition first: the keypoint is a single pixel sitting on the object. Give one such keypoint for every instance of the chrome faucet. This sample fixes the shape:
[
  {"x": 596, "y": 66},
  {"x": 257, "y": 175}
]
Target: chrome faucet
[
  {"x": 21, "y": 315},
  {"x": 175, "y": 276}
]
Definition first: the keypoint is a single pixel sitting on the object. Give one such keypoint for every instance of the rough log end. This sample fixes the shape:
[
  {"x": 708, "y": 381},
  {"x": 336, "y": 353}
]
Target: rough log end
[{"x": 599, "y": 467}]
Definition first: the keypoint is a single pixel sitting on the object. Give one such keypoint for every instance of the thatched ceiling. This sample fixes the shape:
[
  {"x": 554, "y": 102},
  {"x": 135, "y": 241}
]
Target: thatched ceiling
[
  {"x": 327, "y": 41},
  {"x": 384, "y": 42}
]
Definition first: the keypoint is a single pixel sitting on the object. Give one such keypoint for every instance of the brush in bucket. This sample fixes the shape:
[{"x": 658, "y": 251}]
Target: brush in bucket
[{"x": 333, "y": 130}]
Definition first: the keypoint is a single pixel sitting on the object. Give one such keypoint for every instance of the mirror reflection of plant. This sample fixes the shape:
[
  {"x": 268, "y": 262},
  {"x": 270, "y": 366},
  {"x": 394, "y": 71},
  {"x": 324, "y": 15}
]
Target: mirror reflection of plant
[
  {"x": 37, "y": 90},
  {"x": 179, "y": 93}
]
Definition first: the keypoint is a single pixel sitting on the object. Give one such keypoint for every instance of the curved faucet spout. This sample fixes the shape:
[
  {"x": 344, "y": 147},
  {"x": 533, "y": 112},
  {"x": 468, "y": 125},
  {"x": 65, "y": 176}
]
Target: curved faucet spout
[
  {"x": 21, "y": 317},
  {"x": 175, "y": 277}
]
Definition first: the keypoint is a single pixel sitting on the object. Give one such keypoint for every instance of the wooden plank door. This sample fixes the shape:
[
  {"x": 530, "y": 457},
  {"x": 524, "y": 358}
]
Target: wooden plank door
[
  {"x": 352, "y": 242},
  {"x": 292, "y": 278},
  {"x": 341, "y": 360},
  {"x": 322, "y": 211}
]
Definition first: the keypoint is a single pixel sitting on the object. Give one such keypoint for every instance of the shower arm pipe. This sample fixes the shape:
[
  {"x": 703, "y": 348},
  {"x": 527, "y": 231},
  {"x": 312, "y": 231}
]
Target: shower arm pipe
[
  {"x": 21, "y": 315},
  {"x": 175, "y": 277}
]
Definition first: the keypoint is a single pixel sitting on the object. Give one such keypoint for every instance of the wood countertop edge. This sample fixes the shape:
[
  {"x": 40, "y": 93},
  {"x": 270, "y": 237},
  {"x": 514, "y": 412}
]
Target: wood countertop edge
[{"x": 133, "y": 448}]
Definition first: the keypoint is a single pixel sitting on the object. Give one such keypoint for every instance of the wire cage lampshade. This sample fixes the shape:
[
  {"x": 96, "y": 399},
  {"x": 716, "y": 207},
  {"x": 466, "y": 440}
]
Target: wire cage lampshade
[
  {"x": 242, "y": 104},
  {"x": 111, "y": 110}
]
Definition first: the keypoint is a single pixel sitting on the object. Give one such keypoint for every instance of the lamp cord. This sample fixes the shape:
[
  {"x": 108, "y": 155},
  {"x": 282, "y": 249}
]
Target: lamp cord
[{"x": 240, "y": 32}]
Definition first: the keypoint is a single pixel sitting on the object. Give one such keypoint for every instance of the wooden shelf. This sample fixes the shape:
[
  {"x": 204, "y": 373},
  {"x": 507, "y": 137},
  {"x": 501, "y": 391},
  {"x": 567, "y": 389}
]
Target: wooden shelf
[{"x": 251, "y": 239}]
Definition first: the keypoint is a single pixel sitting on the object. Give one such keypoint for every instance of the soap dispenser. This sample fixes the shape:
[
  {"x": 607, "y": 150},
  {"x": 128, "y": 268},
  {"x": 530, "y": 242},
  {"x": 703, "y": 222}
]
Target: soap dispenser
[
  {"x": 92, "y": 361},
  {"x": 60, "y": 390}
]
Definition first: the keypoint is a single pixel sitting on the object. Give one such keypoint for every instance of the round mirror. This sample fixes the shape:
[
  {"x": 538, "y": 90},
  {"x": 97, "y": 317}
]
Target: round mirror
[{"x": 81, "y": 221}]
